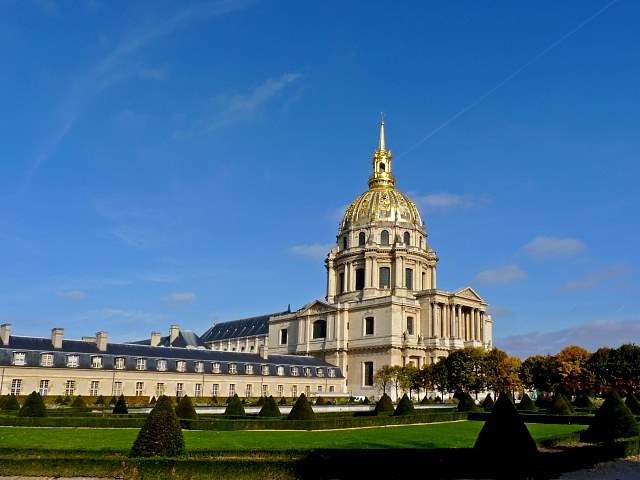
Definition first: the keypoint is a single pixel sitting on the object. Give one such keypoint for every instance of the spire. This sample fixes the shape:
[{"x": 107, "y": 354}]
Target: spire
[
  {"x": 381, "y": 146},
  {"x": 382, "y": 176}
]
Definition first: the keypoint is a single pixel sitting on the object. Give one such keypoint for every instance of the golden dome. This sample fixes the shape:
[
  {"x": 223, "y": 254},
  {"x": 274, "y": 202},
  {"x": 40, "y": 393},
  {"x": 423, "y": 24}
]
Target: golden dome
[{"x": 382, "y": 202}]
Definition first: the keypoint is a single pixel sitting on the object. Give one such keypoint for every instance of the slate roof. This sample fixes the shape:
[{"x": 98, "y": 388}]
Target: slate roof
[
  {"x": 186, "y": 338},
  {"x": 246, "y": 327},
  {"x": 35, "y": 346}
]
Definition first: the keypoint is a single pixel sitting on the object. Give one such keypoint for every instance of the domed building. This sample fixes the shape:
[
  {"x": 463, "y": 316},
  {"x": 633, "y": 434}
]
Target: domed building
[{"x": 382, "y": 305}]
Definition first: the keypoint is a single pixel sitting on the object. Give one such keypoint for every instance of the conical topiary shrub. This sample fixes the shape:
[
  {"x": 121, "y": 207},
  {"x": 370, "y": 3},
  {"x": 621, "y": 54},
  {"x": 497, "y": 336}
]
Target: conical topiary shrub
[
  {"x": 153, "y": 400},
  {"x": 366, "y": 401},
  {"x": 269, "y": 408},
  {"x": 612, "y": 420},
  {"x": 404, "y": 407},
  {"x": 527, "y": 405},
  {"x": 583, "y": 401},
  {"x": 214, "y": 400},
  {"x": 560, "y": 405},
  {"x": 99, "y": 400},
  {"x": 112, "y": 401},
  {"x": 505, "y": 442},
  {"x": 120, "y": 407},
  {"x": 33, "y": 406},
  {"x": 10, "y": 403},
  {"x": 488, "y": 403},
  {"x": 283, "y": 401},
  {"x": 161, "y": 435},
  {"x": 321, "y": 401},
  {"x": 185, "y": 409},
  {"x": 466, "y": 403},
  {"x": 79, "y": 402},
  {"x": 235, "y": 407},
  {"x": 632, "y": 402},
  {"x": 543, "y": 400},
  {"x": 260, "y": 401},
  {"x": 301, "y": 410},
  {"x": 425, "y": 400},
  {"x": 384, "y": 405}
]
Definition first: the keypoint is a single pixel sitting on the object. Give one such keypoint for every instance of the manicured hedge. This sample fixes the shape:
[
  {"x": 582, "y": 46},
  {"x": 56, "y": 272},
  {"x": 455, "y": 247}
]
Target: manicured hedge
[
  {"x": 97, "y": 422},
  {"x": 542, "y": 418}
]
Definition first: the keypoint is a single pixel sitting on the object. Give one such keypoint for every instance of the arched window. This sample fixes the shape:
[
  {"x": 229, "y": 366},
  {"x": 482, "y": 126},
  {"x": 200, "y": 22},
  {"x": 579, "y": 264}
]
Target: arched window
[
  {"x": 345, "y": 242},
  {"x": 382, "y": 167},
  {"x": 359, "y": 278},
  {"x": 362, "y": 238},
  {"x": 385, "y": 277},
  {"x": 384, "y": 237},
  {"x": 320, "y": 329},
  {"x": 407, "y": 238}
]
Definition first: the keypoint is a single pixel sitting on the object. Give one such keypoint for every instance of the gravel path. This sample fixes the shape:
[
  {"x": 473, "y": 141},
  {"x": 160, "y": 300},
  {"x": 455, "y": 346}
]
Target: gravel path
[{"x": 624, "y": 469}]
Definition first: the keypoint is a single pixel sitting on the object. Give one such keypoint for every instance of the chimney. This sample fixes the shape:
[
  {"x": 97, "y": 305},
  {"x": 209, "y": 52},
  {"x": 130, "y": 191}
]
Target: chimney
[
  {"x": 155, "y": 339},
  {"x": 263, "y": 351},
  {"x": 56, "y": 337},
  {"x": 5, "y": 333},
  {"x": 174, "y": 331},
  {"x": 101, "y": 341}
]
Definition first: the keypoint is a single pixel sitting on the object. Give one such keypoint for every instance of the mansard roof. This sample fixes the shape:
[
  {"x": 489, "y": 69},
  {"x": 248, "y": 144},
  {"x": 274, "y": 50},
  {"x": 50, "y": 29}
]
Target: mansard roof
[
  {"x": 246, "y": 327},
  {"x": 185, "y": 339}
]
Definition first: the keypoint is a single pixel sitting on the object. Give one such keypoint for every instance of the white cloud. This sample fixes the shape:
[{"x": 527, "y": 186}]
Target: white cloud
[
  {"x": 180, "y": 298},
  {"x": 315, "y": 251},
  {"x": 243, "y": 106},
  {"x": 74, "y": 295},
  {"x": 597, "y": 278},
  {"x": 553, "y": 247},
  {"x": 501, "y": 275},
  {"x": 592, "y": 335},
  {"x": 499, "y": 312},
  {"x": 446, "y": 201}
]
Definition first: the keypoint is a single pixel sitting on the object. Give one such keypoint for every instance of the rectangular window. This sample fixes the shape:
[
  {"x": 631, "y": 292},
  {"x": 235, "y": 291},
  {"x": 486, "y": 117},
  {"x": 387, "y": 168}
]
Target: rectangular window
[
  {"x": 341, "y": 283},
  {"x": 319, "y": 372},
  {"x": 248, "y": 390},
  {"x": 161, "y": 365},
  {"x": 307, "y": 371},
  {"x": 199, "y": 367},
  {"x": 181, "y": 366},
  {"x": 283, "y": 336},
  {"x": 294, "y": 371},
  {"x": 198, "y": 390},
  {"x": 307, "y": 390},
  {"x": 117, "y": 389},
  {"x": 232, "y": 389},
  {"x": 332, "y": 373},
  {"x": 385, "y": 277},
  {"x": 96, "y": 362},
  {"x": 16, "y": 386},
  {"x": 215, "y": 390},
  {"x": 70, "y": 388},
  {"x": 319, "y": 388},
  {"x": 265, "y": 390},
  {"x": 367, "y": 374},
  {"x": 159, "y": 389},
  {"x": 408, "y": 278},
  {"x": 294, "y": 391},
  {"x": 410, "y": 325},
  {"x": 139, "y": 389},
  {"x": 44, "y": 388},
  {"x": 46, "y": 360},
  {"x": 280, "y": 370},
  {"x": 319, "y": 329},
  {"x": 359, "y": 278},
  {"x": 233, "y": 368},
  {"x": 19, "y": 358},
  {"x": 72, "y": 361},
  {"x": 94, "y": 386},
  {"x": 141, "y": 364},
  {"x": 265, "y": 369},
  {"x": 368, "y": 326},
  {"x": 332, "y": 388},
  {"x": 215, "y": 367},
  {"x": 280, "y": 390},
  {"x": 179, "y": 389},
  {"x": 118, "y": 364},
  {"x": 248, "y": 369}
]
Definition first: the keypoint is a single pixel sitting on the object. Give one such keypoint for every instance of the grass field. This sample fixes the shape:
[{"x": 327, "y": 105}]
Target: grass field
[{"x": 437, "y": 435}]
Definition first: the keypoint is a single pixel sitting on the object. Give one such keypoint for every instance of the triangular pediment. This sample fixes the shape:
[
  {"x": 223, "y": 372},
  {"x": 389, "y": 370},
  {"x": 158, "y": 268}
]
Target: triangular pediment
[
  {"x": 469, "y": 293},
  {"x": 316, "y": 307}
]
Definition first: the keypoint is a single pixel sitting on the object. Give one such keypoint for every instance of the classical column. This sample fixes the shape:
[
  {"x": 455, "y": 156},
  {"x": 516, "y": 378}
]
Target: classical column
[
  {"x": 331, "y": 281},
  {"x": 367, "y": 272},
  {"x": 433, "y": 276},
  {"x": 374, "y": 273},
  {"x": 459, "y": 317},
  {"x": 397, "y": 281},
  {"x": 445, "y": 320},
  {"x": 436, "y": 311},
  {"x": 482, "y": 326},
  {"x": 475, "y": 324}
]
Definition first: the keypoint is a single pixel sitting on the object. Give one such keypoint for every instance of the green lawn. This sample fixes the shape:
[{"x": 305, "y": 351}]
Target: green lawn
[{"x": 436, "y": 435}]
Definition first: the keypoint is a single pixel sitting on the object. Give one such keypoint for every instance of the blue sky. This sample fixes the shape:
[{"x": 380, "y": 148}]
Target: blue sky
[{"x": 173, "y": 162}]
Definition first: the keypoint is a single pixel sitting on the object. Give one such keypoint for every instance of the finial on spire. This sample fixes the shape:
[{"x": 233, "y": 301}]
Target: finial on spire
[{"x": 381, "y": 146}]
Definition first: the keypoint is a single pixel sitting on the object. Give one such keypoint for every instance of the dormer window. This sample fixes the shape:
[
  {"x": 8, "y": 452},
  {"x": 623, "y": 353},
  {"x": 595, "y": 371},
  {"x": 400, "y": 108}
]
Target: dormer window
[
  {"x": 181, "y": 366},
  {"x": 46, "y": 360},
  {"x": 248, "y": 369},
  {"x": 72, "y": 361},
  {"x": 161, "y": 365},
  {"x": 141, "y": 364},
  {"x": 233, "y": 368},
  {"x": 19, "y": 358},
  {"x": 331, "y": 373},
  {"x": 319, "y": 372},
  {"x": 118, "y": 363},
  {"x": 280, "y": 370},
  {"x": 199, "y": 367},
  {"x": 307, "y": 371},
  {"x": 265, "y": 369},
  {"x": 215, "y": 367},
  {"x": 294, "y": 371},
  {"x": 96, "y": 361}
]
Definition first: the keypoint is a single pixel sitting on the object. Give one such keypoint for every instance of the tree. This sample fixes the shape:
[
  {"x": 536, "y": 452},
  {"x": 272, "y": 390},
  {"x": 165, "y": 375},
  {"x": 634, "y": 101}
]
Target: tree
[
  {"x": 384, "y": 377},
  {"x": 539, "y": 372},
  {"x": 440, "y": 375},
  {"x": 33, "y": 406},
  {"x": 624, "y": 364},
  {"x": 301, "y": 410},
  {"x": 79, "y": 402},
  {"x": 10, "y": 403},
  {"x": 269, "y": 408},
  {"x": 121, "y": 406},
  {"x": 234, "y": 407},
  {"x": 571, "y": 364},
  {"x": 161, "y": 434},
  {"x": 465, "y": 370},
  {"x": 407, "y": 377},
  {"x": 185, "y": 409},
  {"x": 599, "y": 368},
  {"x": 612, "y": 420}
]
